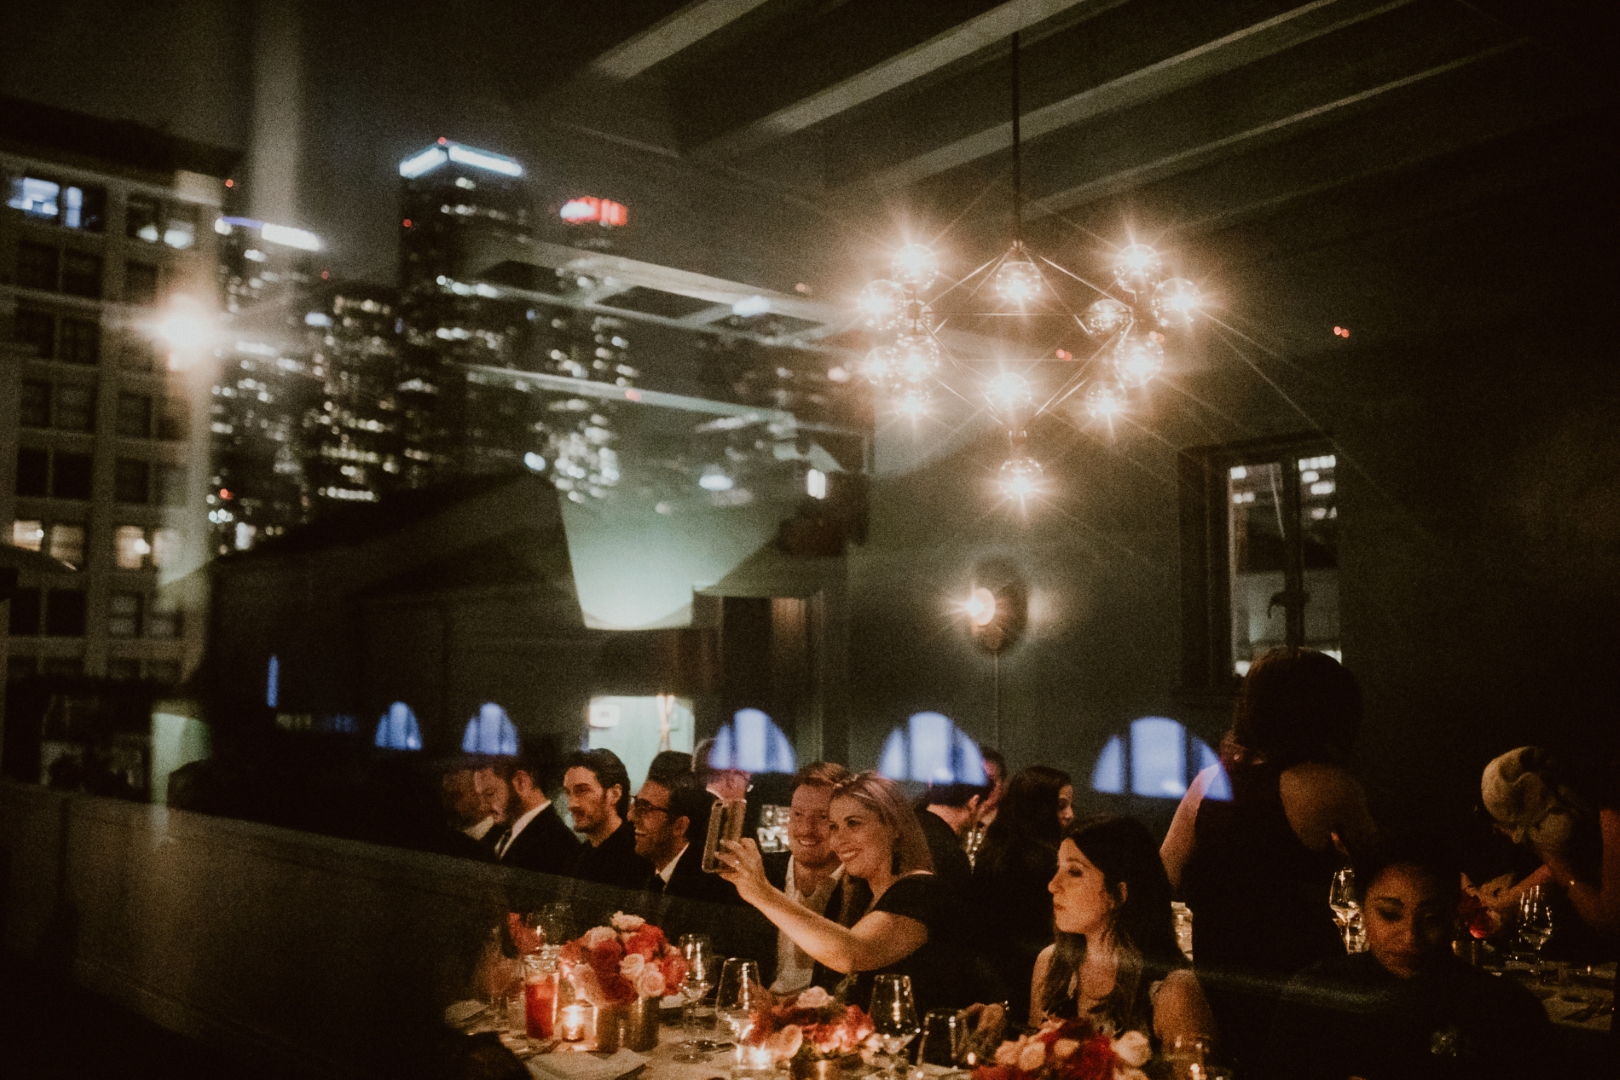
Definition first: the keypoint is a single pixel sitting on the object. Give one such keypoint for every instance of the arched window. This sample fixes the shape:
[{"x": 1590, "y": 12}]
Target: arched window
[
  {"x": 272, "y": 683},
  {"x": 490, "y": 732},
  {"x": 398, "y": 730},
  {"x": 930, "y": 750},
  {"x": 1156, "y": 758},
  {"x": 753, "y": 743}
]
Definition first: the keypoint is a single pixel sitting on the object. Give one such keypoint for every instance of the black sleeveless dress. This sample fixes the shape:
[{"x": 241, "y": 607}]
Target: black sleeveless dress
[{"x": 1259, "y": 899}]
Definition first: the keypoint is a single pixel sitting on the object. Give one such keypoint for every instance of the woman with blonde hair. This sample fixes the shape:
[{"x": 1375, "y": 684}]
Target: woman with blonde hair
[{"x": 906, "y": 928}]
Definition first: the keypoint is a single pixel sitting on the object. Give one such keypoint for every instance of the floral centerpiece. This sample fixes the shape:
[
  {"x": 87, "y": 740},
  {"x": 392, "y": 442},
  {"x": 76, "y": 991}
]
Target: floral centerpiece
[
  {"x": 810, "y": 1026},
  {"x": 1070, "y": 1050},
  {"x": 617, "y": 964}
]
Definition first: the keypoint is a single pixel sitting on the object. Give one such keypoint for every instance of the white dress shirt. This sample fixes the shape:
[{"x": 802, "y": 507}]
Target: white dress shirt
[
  {"x": 667, "y": 871},
  {"x": 794, "y": 967},
  {"x": 480, "y": 830}
]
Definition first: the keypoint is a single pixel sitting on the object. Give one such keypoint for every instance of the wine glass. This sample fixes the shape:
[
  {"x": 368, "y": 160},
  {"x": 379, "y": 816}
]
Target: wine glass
[
  {"x": 1342, "y": 899},
  {"x": 741, "y": 994},
  {"x": 944, "y": 1033},
  {"x": 700, "y": 962},
  {"x": 1535, "y": 922},
  {"x": 894, "y": 1014}
]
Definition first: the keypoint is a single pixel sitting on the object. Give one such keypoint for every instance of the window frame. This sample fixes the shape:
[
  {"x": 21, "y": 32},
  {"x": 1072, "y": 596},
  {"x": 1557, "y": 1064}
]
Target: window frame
[{"x": 1206, "y": 590}]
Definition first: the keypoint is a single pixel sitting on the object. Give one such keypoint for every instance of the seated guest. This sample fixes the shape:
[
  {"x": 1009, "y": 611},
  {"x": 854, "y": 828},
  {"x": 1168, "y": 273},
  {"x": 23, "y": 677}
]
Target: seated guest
[
  {"x": 664, "y": 815},
  {"x": 536, "y": 839},
  {"x": 904, "y": 929},
  {"x": 808, "y": 872},
  {"x": 947, "y": 812},
  {"x": 1407, "y": 1007},
  {"x": 1115, "y": 961},
  {"x": 1253, "y": 843},
  {"x": 1008, "y": 899},
  {"x": 465, "y": 806},
  {"x": 995, "y": 774},
  {"x": 598, "y": 790}
]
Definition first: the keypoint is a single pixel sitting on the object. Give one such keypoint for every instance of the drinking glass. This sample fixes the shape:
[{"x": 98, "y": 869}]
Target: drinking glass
[
  {"x": 1535, "y": 922},
  {"x": 894, "y": 1014},
  {"x": 700, "y": 963},
  {"x": 741, "y": 994},
  {"x": 944, "y": 1033},
  {"x": 1186, "y": 1056},
  {"x": 555, "y": 922},
  {"x": 1346, "y": 908}
]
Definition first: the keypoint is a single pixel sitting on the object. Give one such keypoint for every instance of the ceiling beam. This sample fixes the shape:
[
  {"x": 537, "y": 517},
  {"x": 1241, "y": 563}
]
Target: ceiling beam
[
  {"x": 957, "y": 43},
  {"x": 1208, "y": 153},
  {"x": 671, "y": 35},
  {"x": 1224, "y": 54}
]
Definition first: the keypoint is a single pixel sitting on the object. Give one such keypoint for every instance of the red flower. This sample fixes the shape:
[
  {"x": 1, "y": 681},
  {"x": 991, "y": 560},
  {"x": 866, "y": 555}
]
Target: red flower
[
  {"x": 605, "y": 958},
  {"x": 1095, "y": 1059},
  {"x": 645, "y": 942}
]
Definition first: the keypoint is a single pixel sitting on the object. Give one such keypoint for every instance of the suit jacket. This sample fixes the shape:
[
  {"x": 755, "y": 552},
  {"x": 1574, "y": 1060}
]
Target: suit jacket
[
  {"x": 951, "y": 866},
  {"x": 545, "y": 845},
  {"x": 614, "y": 862}
]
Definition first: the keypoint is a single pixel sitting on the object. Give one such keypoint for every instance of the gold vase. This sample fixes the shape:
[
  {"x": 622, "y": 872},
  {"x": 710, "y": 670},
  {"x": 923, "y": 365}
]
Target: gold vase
[
  {"x": 639, "y": 1024},
  {"x": 821, "y": 1068}
]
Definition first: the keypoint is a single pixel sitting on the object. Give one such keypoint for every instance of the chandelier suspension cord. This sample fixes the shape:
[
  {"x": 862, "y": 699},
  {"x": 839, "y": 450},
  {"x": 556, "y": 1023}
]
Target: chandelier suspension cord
[{"x": 1018, "y": 170}]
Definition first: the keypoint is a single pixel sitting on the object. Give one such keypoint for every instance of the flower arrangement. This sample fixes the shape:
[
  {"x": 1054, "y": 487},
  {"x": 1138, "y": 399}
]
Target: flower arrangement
[
  {"x": 811, "y": 1026},
  {"x": 1070, "y": 1050},
  {"x": 614, "y": 965}
]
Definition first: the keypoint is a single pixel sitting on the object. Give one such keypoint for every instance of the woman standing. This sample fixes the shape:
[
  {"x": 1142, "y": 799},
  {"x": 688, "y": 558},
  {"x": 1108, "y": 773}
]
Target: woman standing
[
  {"x": 1009, "y": 901},
  {"x": 1115, "y": 960},
  {"x": 903, "y": 931},
  {"x": 1255, "y": 860}
]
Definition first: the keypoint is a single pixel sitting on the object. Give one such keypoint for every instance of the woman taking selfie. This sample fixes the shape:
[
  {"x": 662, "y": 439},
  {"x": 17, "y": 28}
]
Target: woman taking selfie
[{"x": 903, "y": 931}]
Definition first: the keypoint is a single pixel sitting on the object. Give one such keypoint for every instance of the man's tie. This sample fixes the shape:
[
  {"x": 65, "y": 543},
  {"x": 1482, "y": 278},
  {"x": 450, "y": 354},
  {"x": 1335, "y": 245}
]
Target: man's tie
[{"x": 503, "y": 841}]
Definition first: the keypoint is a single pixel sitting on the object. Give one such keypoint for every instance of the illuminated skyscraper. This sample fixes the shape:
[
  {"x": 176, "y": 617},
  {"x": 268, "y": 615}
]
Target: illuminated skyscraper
[{"x": 353, "y": 437}]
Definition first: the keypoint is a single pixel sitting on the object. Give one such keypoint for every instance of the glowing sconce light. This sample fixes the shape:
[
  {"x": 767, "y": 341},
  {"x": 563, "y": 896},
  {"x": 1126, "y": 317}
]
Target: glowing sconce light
[
  {"x": 425, "y": 162},
  {"x": 815, "y": 484},
  {"x": 713, "y": 479},
  {"x": 917, "y": 357},
  {"x": 1175, "y": 302},
  {"x": 1105, "y": 400},
  {"x": 1020, "y": 478},
  {"x": 980, "y": 606},
  {"x": 1138, "y": 358},
  {"x": 916, "y": 266},
  {"x": 1105, "y": 318},
  {"x": 1018, "y": 279}
]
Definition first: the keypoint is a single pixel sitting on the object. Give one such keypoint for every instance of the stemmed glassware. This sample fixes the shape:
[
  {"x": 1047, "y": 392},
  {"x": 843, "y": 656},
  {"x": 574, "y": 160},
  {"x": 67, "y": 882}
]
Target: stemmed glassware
[
  {"x": 741, "y": 994},
  {"x": 700, "y": 963},
  {"x": 1535, "y": 922},
  {"x": 894, "y": 1014},
  {"x": 1346, "y": 909}
]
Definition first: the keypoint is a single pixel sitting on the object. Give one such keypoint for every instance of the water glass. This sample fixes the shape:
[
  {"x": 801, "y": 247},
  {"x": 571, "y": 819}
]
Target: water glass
[
  {"x": 700, "y": 965},
  {"x": 944, "y": 1038},
  {"x": 1186, "y": 1056},
  {"x": 742, "y": 993},
  {"x": 773, "y": 828},
  {"x": 1535, "y": 921}
]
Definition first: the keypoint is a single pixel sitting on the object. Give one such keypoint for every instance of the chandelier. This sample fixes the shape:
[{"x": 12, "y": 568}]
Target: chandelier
[{"x": 1130, "y": 320}]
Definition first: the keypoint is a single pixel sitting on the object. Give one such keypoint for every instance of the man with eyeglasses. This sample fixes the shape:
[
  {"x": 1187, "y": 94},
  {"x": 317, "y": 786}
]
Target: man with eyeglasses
[{"x": 667, "y": 812}]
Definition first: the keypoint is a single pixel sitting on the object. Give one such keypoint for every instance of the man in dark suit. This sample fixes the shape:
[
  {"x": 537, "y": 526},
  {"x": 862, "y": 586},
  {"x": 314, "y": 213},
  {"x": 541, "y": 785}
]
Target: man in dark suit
[
  {"x": 946, "y": 812},
  {"x": 665, "y": 815},
  {"x": 536, "y": 839},
  {"x": 598, "y": 790}
]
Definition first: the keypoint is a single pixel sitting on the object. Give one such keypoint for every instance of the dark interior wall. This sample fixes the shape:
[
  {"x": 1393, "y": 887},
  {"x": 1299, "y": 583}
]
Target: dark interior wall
[{"x": 1477, "y": 421}]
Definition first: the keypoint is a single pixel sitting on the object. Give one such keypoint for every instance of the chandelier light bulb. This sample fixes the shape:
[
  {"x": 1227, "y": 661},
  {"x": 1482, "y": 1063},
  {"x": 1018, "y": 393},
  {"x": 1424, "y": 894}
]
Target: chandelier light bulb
[
  {"x": 913, "y": 402},
  {"x": 1175, "y": 302},
  {"x": 1105, "y": 400},
  {"x": 980, "y": 606},
  {"x": 916, "y": 317},
  {"x": 916, "y": 357},
  {"x": 916, "y": 266},
  {"x": 1137, "y": 268},
  {"x": 1138, "y": 358},
  {"x": 1009, "y": 393},
  {"x": 1105, "y": 318},
  {"x": 1020, "y": 478},
  {"x": 881, "y": 304},
  {"x": 882, "y": 367},
  {"x": 1017, "y": 280}
]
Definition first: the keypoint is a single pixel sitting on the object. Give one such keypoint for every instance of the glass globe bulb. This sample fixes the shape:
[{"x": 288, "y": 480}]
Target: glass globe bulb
[
  {"x": 1105, "y": 400},
  {"x": 1009, "y": 393},
  {"x": 882, "y": 368},
  {"x": 1105, "y": 318},
  {"x": 913, "y": 401},
  {"x": 917, "y": 357},
  {"x": 881, "y": 304},
  {"x": 1137, "y": 267},
  {"x": 1020, "y": 478},
  {"x": 1017, "y": 280},
  {"x": 1175, "y": 302},
  {"x": 1137, "y": 359},
  {"x": 916, "y": 266}
]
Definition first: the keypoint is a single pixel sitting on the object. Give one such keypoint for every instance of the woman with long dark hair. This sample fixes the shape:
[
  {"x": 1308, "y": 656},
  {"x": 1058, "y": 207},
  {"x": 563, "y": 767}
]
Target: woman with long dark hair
[
  {"x": 1254, "y": 844},
  {"x": 1115, "y": 960},
  {"x": 1009, "y": 900}
]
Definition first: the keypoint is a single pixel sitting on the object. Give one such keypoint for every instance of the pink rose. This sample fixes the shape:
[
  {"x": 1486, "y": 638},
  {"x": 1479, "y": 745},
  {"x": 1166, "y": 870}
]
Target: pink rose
[
  {"x": 599, "y": 935},
  {"x": 813, "y": 998},
  {"x": 626, "y": 924},
  {"x": 651, "y": 983},
  {"x": 785, "y": 1043},
  {"x": 632, "y": 966}
]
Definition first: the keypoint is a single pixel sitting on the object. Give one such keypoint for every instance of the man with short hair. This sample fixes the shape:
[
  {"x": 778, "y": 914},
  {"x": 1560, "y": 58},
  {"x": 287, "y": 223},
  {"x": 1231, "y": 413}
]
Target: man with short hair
[
  {"x": 808, "y": 872},
  {"x": 536, "y": 839},
  {"x": 947, "y": 812},
  {"x": 670, "y": 816},
  {"x": 598, "y": 790}
]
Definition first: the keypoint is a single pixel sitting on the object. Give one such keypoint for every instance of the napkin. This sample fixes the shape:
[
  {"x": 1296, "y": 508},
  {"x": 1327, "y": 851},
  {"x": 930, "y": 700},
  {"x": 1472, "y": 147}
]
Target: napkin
[{"x": 572, "y": 1065}]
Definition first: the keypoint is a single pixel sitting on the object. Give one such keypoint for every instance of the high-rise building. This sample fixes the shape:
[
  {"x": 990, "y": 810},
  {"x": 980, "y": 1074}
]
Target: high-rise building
[
  {"x": 107, "y": 262},
  {"x": 352, "y": 439},
  {"x": 451, "y": 197}
]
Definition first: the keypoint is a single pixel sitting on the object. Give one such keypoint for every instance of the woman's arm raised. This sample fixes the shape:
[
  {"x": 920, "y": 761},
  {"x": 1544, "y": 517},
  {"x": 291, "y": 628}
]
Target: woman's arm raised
[{"x": 879, "y": 939}]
